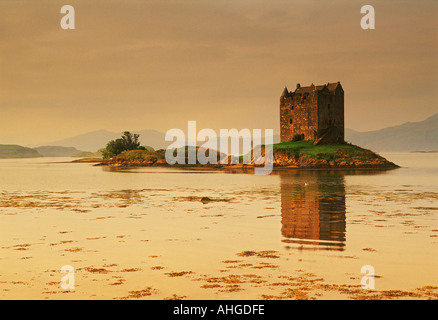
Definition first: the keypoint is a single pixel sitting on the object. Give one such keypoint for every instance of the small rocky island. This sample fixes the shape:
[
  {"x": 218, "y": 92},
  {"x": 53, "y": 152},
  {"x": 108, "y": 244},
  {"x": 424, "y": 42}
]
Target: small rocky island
[
  {"x": 311, "y": 134},
  {"x": 286, "y": 155}
]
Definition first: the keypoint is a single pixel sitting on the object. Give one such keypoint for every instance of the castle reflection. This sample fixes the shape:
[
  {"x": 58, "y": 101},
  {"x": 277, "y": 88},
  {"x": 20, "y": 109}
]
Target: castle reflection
[{"x": 313, "y": 210}]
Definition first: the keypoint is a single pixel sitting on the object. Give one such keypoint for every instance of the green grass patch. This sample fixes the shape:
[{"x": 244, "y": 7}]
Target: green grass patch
[
  {"x": 326, "y": 152},
  {"x": 136, "y": 155}
]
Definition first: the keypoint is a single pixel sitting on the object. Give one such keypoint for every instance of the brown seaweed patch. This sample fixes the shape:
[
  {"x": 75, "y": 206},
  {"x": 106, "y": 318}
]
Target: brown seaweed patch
[
  {"x": 211, "y": 215},
  {"x": 77, "y": 249},
  {"x": 20, "y": 282},
  {"x": 232, "y": 282},
  {"x": 97, "y": 270},
  {"x": 140, "y": 293},
  {"x": 232, "y": 261},
  {"x": 211, "y": 286},
  {"x": 21, "y": 247},
  {"x": 178, "y": 274},
  {"x": 265, "y": 266},
  {"x": 157, "y": 268},
  {"x": 118, "y": 282},
  {"x": 247, "y": 253},
  {"x": 95, "y": 238},
  {"x": 232, "y": 288},
  {"x": 253, "y": 278},
  {"x": 296, "y": 294},
  {"x": 261, "y": 254},
  {"x": 131, "y": 270},
  {"x": 175, "y": 297},
  {"x": 110, "y": 265},
  {"x": 230, "y": 279}
]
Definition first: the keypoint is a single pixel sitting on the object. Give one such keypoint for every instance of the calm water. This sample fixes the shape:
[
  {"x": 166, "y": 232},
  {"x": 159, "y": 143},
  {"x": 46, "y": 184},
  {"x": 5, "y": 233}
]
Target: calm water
[{"x": 165, "y": 233}]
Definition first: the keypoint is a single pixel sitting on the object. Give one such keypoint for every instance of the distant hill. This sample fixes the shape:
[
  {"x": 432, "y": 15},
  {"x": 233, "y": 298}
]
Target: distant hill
[
  {"x": 9, "y": 151},
  {"x": 56, "y": 151},
  {"x": 350, "y": 132},
  {"x": 93, "y": 141},
  {"x": 410, "y": 136}
]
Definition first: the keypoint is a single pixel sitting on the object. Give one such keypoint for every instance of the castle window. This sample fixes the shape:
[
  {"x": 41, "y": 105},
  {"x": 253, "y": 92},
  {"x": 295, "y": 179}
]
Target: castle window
[
  {"x": 290, "y": 120},
  {"x": 292, "y": 107}
]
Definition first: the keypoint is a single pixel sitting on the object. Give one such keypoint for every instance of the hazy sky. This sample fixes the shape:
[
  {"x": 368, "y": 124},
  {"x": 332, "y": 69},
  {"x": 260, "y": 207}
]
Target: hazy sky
[{"x": 155, "y": 64}]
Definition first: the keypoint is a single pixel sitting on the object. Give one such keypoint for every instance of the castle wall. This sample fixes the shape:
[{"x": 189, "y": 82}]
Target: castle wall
[
  {"x": 285, "y": 115},
  {"x": 298, "y": 115},
  {"x": 331, "y": 116}
]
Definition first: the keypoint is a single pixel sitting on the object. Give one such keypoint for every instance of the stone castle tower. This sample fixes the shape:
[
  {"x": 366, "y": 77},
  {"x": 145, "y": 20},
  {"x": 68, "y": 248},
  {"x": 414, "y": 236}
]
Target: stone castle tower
[{"x": 314, "y": 112}]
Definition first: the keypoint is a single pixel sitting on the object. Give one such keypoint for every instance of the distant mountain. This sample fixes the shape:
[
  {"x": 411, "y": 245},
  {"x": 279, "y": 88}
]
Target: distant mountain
[
  {"x": 152, "y": 138},
  {"x": 93, "y": 141},
  {"x": 10, "y": 151},
  {"x": 56, "y": 151},
  {"x": 410, "y": 136},
  {"x": 350, "y": 132}
]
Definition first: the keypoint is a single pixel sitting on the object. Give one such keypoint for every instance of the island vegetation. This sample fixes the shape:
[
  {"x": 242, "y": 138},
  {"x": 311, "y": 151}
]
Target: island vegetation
[
  {"x": 305, "y": 154},
  {"x": 293, "y": 154},
  {"x": 127, "y": 142}
]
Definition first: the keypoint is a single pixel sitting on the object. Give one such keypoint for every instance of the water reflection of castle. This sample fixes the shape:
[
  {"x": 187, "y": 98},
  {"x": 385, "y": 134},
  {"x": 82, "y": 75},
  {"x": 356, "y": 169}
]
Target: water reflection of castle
[{"x": 313, "y": 209}]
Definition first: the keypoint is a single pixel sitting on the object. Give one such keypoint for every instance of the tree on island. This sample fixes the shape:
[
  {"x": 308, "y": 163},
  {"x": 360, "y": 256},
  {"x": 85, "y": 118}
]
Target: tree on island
[{"x": 128, "y": 141}]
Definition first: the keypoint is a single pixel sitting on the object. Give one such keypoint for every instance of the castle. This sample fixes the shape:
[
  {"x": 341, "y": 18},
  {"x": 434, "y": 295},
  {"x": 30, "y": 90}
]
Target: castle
[{"x": 313, "y": 113}]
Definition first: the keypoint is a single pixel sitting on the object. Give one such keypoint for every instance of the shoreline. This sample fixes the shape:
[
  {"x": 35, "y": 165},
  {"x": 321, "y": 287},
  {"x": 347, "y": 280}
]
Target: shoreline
[
  {"x": 302, "y": 155},
  {"x": 241, "y": 167}
]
